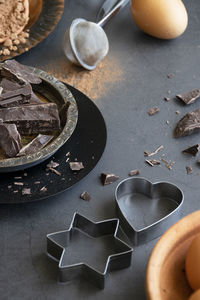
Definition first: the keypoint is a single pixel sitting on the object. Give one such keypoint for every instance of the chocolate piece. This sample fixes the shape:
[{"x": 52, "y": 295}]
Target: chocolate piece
[
  {"x": 31, "y": 119},
  {"x": 168, "y": 164},
  {"x": 34, "y": 99},
  {"x": 10, "y": 140},
  {"x": 170, "y": 76},
  {"x": 9, "y": 85},
  {"x": 153, "y": 111},
  {"x": 189, "y": 170},
  {"x": 108, "y": 178},
  {"x": 18, "y": 183},
  {"x": 26, "y": 191},
  {"x": 35, "y": 145},
  {"x": 190, "y": 97},
  {"x": 63, "y": 113},
  {"x": 13, "y": 70},
  {"x": 85, "y": 196},
  {"x": 146, "y": 153},
  {"x": 189, "y": 124},
  {"x": 76, "y": 166},
  {"x": 24, "y": 91},
  {"x": 192, "y": 150},
  {"x": 153, "y": 162},
  {"x": 54, "y": 171},
  {"x": 167, "y": 99},
  {"x": 177, "y": 112},
  {"x": 43, "y": 189},
  {"x": 52, "y": 164},
  {"x": 134, "y": 172},
  {"x": 15, "y": 101}
]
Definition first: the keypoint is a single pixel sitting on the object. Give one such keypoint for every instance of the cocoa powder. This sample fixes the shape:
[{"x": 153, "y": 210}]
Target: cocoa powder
[{"x": 94, "y": 84}]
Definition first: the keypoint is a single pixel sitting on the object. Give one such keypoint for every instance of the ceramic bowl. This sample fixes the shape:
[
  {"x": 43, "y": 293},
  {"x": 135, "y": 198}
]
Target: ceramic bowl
[{"x": 165, "y": 275}]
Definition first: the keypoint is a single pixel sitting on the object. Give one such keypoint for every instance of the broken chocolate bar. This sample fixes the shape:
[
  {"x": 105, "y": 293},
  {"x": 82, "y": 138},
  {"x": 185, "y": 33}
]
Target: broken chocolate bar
[
  {"x": 190, "y": 97},
  {"x": 108, "y": 178},
  {"x": 31, "y": 119},
  {"x": 76, "y": 166},
  {"x": 85, "y": 196},
  {"x": 10, "y": 140},
  {"x": 189, "y": 124},
  {"x": 35, "y": 145},
  {"x": 13, "y": 70},
  {"x": 192, "y": 150}
]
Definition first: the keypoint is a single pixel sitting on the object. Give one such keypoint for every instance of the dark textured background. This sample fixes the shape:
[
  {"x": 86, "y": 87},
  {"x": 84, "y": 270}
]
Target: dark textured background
[{"x": 26, "y": 273}]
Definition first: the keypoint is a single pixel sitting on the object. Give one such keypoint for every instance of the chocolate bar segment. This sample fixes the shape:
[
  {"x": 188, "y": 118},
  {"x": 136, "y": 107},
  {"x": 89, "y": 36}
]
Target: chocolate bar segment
[
  {"x": 14, "y": 70},
  {"x": 189, "y": 124},
  {"x": 10, "y": 139},
  {"x": 32, "y": 119},
  {"x": 9, "y": 85},
  {"x": 190, "y": 97},
  {"x": 35, "y": 145}
]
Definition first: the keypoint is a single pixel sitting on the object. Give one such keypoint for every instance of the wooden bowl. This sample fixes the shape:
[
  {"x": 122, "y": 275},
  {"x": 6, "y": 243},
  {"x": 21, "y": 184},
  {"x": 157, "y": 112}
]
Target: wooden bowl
[{"x": 165, "y": 275}]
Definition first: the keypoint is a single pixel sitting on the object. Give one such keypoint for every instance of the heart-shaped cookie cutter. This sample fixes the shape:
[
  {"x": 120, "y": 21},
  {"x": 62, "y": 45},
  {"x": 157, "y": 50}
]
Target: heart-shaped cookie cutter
[{"x": 154, "y": 194}]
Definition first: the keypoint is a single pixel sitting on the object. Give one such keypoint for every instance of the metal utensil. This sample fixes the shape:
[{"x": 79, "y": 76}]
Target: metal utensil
[
  {"x": 85, "y": 43},
  {"x": 107, "y": 6}
]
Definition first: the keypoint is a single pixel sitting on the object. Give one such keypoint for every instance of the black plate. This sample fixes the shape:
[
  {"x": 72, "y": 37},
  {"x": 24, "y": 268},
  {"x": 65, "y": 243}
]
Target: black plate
[{"x": 87, "y": 144}]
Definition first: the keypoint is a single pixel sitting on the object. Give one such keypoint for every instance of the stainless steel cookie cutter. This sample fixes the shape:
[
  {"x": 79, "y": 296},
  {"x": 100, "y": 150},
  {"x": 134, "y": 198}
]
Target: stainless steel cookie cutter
[
  {"x": 147, "y": 209},
  {"x": 85, "y": 237}
]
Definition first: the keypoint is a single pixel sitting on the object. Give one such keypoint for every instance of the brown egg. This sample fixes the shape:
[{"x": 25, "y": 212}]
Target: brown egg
[
  {"x": 195, "y": 295},
  {"x": 165, "y": 19},
  {"x": 192, "y": 264}
]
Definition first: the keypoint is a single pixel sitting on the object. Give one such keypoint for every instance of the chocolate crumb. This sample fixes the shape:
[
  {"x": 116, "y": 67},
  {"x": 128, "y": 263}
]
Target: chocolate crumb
[
  {"x": 67, "y": 154},
  {"x": 189, "y": 97},
  {"x": 26, "y": 191},
  {"x": 18, "y": 183},
  {"x": 52, "y": 164},
  {"x": 134, "y": 172},
  {"x": 15, "y": 192},
  {"x": 177, "y": 112},
  {"x": 54, "y": 171},
  {"x": 170, "y": 76},
  {"x": 25, "y": 174},
  {"x": 153, "y": 111},
  {"x": 167, "y": 99},
  {"x": 43, "y": 189},
  {"x": 85, "y": 196},
  {"x": 167, "y": 122},
  {"x": 19, "y": 177},
  {"x": 67, "y": 159},
  {"x": 169, "y": 92},
  {"x": 152, "y": 162},
  {"x": 108, "y": 178},
  {"x": 193, "y": 150},
  {"x": 37, "y": 182},
  {"x": 168, "y": 164},
  {"x": 9, "y": 187},
  {"x": 76, "y": 166},
  {"x": 189, "y": 170},
  {"x": 147, "y": 153}
]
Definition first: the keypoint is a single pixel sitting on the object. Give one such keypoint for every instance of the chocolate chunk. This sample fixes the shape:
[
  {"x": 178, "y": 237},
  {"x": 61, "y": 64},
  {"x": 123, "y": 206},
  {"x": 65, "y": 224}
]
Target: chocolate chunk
[
  {"x": 26, "y": 191},
  {"x": 153, "y": 111},
  {"x": 85, "y": 196},
  {"x": 192, "y": 150},
  {"x": 167, "y": 99},
  {"x": 10, "y": 140},
  {"x": 34, "y": 99},
  {"x": 31, "y": 119},
  {"x": 13, "y": 70},
  {"x": 153, "y": 162},
  {"x": 134, "y": 172},
  {"x": 19, "y": 183},
  {"x": 24, "y": 91},
  {"x": 76, "y": 166},
  {"x": 188, "y": 170},
  {"x": 190, "y": 97},
  {"x": 108, "y": 178},
  {"x": 35, "y": 145},
  {"x": 170, "y": 76},
  {"x": 9, "y": 85},
  {"x": 15, "y": 101},
  {"x": 189, "y": 124}
]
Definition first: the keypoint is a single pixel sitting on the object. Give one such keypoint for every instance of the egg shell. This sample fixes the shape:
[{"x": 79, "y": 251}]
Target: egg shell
[
  {"x": 192, "y": 264},
  {"x": 165, "y": 19},
  {"x": 195, "y": 295}
]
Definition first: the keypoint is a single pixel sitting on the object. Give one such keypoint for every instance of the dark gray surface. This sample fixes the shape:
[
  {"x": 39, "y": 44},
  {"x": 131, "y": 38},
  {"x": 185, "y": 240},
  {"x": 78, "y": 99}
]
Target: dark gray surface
[{"x": 26, "y": 273}]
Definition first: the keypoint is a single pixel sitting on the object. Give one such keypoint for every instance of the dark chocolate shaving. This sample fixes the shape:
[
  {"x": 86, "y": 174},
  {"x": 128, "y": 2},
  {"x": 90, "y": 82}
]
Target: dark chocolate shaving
[
  {"x": 26, "y": 191},
  {"x": 189, "y": 124},
  {"x": 85, "y": 196},
  {"x": 152, "y": 162},
  {"x": 134, "y": 172},
  {"x": 35, "y": 145},
  {"x": 14, "y": 70},
  {"x": 153, "y": 111},
  {"x": 193, "y": 150},
  {"x": 31, "y": 119},
  {"x": 10, "y": 140},
  {"x": 190, "y": 97},
  {"x": 76, "y": 166},
  {"x": 108, "y": 178}
]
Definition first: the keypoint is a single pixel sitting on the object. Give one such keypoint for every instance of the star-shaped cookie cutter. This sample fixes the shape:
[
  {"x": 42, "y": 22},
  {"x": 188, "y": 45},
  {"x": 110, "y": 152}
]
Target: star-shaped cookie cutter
[{"x": 58, "y": 244}]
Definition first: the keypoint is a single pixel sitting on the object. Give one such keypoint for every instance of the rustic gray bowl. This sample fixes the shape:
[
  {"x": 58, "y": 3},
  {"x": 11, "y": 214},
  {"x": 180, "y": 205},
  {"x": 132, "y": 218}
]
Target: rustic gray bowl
[{"x": 54, "y": 91}]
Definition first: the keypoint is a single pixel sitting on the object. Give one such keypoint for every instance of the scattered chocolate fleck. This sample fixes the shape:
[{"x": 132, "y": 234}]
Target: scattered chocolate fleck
[
  {"x": 67, "y": 154},
  {"x": 153, "y": 111},
  {"x": 169, "y": 91},
  {"x": 167, "y": 99},
  {"x": 170, "y": 76},
  {"x": 93, "y": 157},
  {"x": 190, "y": 97},
  {"x": 54, "y": 171},
  {"x": 76, "y": 166},
  {"x": 134, "y": 172},
  {"x": 189, "y": 124},
  {"x": 63, "y": 179},
  {"x": 85, "y": 196},
  {"x": 168, "y": 164},
  {"x": 15, "y": 192},
  {"x": 177, "y": 112},
  {"x": 18, "y": 177},
  {"x": 193, "y": 150},
  {"x": 25, "y": 174},
  {"x": 26, "y": 191},
  {"x": 52, "y": 164},
  {"x": 37, "y": 182},
  {"x": 189, "y": 170},
  {"x": 9, "y": 187},
  {"x": 167, "y": 122},
  {"x": 108, "y": 178},
  {"x": 43, "y": 189},
  {"x": 147, "y": 153},
  {"x": 153, "y": 162},
  {"x": 67, "y": 159},
  {"x": 18, "y": 183}
]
